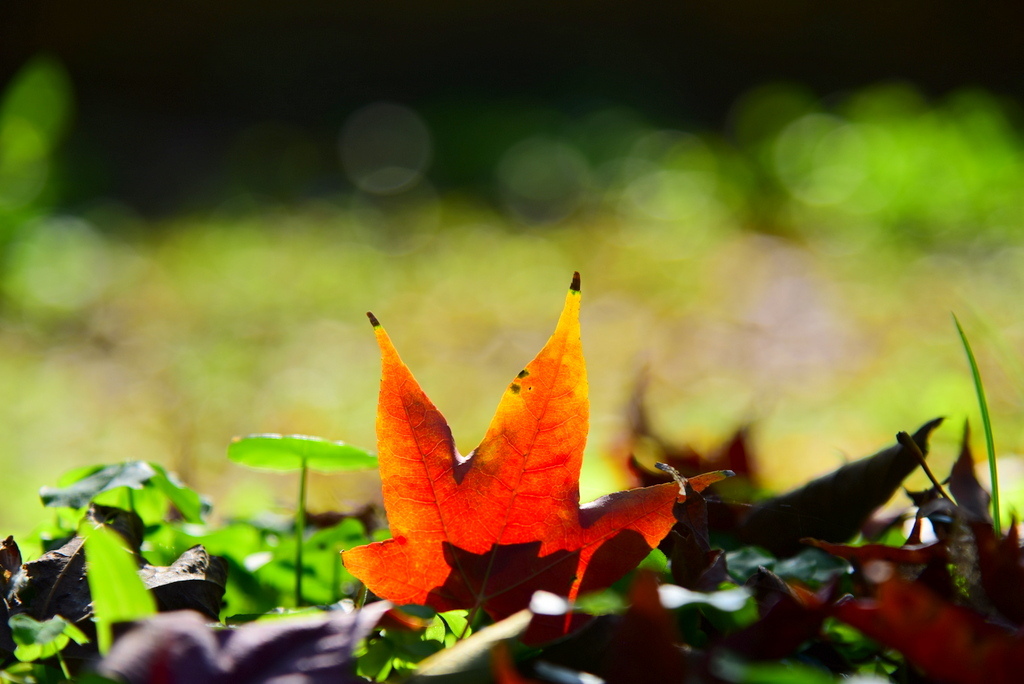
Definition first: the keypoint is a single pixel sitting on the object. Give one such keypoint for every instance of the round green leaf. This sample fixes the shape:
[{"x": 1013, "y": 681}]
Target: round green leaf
[{"x": 287, "y": 452}]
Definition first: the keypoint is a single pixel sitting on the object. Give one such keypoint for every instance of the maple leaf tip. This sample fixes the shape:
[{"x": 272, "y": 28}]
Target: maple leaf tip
[
  {"x": 575, "y": 284},
  {"x": 373, "y": 319}
]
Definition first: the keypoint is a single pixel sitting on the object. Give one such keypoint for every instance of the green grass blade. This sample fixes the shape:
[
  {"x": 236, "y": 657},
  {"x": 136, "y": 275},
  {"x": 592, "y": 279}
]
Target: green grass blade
[{"x": 987, "y": 423}]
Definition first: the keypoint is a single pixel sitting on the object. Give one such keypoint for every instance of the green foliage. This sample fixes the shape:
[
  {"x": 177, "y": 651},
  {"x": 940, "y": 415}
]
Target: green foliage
[
  {"x": 40, "y": 640},
  {"x": 301, "y": 452},
  {"x": 35, "y": 110},
  {"x": 423, "y": 644},
  {"x": 812, "y": 567},
  {"x": 399, "y": 652},
  {"x": 887, "y": 172},
  {"x": 159, "y": 489}
]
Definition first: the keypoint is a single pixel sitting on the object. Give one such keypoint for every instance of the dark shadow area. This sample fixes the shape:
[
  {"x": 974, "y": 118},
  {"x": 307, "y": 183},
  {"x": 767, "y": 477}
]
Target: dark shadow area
[{"x": 165, "y": 91}]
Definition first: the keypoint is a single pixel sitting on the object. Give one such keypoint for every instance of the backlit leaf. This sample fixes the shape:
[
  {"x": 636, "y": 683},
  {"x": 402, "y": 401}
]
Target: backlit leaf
[
  {"x": 287, "y": 452},
  {"x": 118, "y": 594},
  {"x": 37, "y": 640},
  {"x": 488, "y": 529}
]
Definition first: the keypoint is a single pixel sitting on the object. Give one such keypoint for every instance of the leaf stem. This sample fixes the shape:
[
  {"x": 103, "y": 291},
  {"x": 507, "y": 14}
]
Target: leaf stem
[
  {"x": 63, "y": 666},
  {"x": 986, "y": 421},
  {"x": 361, "y": 596},
  {"x": 907, "y": 442},
  {"x": 300, "y": 532}
]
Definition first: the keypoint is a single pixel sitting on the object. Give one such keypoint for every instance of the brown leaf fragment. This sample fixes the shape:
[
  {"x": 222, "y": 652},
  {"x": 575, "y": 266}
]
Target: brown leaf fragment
[
  {"x": 469, "y": 660},
  {"x": 10, "y": 564},
  {"x": 195, "y": 581},
  {"x": 833, "y": 507},
  {"x": 126, "y": 523},
  {"x": 56, "y": 584},
  {"x": 970, "y": 496},
  {"x": 768, "y": 589}
]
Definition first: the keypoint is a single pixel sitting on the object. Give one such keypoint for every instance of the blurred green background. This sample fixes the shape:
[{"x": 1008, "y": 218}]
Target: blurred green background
[{"x": 773, "y": 208}]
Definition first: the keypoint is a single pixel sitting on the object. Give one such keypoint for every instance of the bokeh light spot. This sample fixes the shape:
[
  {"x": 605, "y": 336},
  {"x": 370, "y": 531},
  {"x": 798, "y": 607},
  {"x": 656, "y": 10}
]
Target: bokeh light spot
[
  {"x": 59, "y": 264},
  {"x": 543, "y": 180},
  {"x": 385, "y": 148}
]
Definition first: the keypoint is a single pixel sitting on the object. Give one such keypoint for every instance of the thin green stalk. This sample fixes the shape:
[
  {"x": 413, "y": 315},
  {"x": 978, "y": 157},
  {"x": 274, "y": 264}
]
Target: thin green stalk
[
  {"x": 986, "y": 422},
  {"x": 361, "y": 596},
  {"x": 300, "y": 533},
  {"x": 63, "y": 666}
]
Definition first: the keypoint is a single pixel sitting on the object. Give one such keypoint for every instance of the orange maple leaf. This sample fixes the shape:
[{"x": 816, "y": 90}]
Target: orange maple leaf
[{"x": 488, "y": 529}]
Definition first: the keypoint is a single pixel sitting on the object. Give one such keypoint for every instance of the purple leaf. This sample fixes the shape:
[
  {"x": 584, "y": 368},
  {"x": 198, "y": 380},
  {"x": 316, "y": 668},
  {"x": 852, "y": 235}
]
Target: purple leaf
[{"x": 182, "y": 647}]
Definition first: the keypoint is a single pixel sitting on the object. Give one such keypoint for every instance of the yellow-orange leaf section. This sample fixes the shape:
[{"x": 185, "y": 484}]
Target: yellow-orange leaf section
[{"x": 488, "y": 529}]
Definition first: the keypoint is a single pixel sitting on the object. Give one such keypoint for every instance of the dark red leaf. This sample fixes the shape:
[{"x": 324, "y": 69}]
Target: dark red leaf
[
  {"x": 195, "y": 581},
  {"x": 949, "y": 643},
  {"x": 907, "y": 555},
  {"x": 694, "y": 564},
  {"x": 1002, "y": 570},
  {"x": 833, "y": 507},
  {"x": 504, "y": 668},
  {"x": 787, "y": 624},
  {"x": 645, "y": 645},
  {"x": 964, "y": 486}
]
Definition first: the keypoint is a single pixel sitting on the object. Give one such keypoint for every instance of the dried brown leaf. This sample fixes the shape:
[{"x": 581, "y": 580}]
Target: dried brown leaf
[{"x": 833, "y": 507}]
